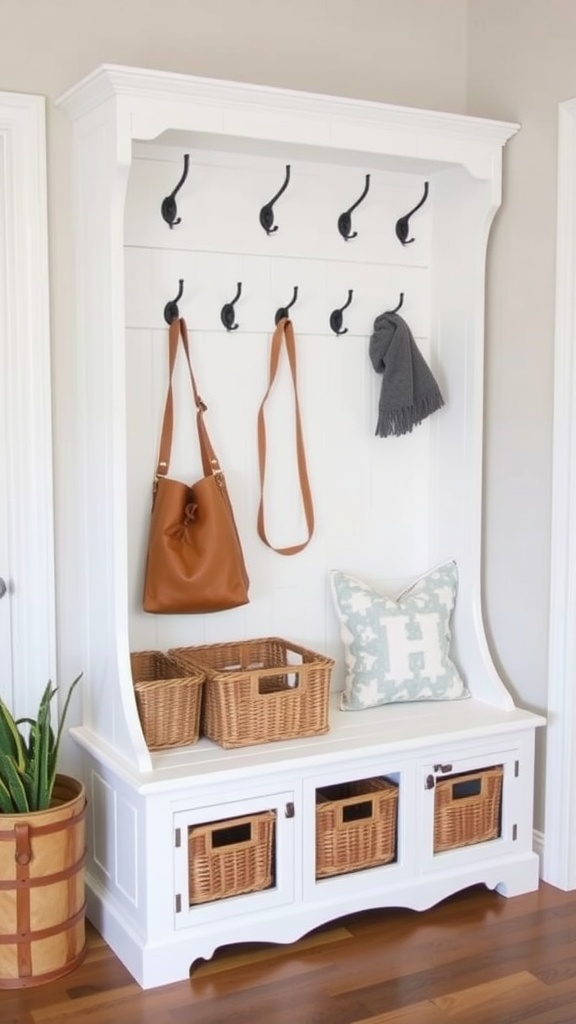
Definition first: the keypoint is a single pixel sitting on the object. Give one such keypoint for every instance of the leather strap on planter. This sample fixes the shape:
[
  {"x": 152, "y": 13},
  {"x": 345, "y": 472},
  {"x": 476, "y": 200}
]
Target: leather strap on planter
[
  {"x": 22, "y": 858},
  {"x": 41, "y": 979},
  {"x": 284, "y": 335},
  {"x": 22, "y": 836},
  {"x": 44, "y": 830},
  {"x": 43, "y": 933},
  {"x": 34, "y": 883}
]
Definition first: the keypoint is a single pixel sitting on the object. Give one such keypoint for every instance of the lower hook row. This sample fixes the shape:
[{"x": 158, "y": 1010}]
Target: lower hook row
[{"x": 228, "y": 313}]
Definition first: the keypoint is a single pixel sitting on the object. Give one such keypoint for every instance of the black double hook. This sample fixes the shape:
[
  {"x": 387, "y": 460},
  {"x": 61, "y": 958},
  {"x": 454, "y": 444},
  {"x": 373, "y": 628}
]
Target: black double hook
[
  {"x": 227, "y": 314},
  {"x": 171, "y": 311},
  {"x": 282, "y": 313},
  {"x": 169, "y": 208},
  {"x": 345, "y": 219},
  {"x": 336, "y": 316},
  {"x": 267, "y": 211},
  {"x": 402, "y": 225}
]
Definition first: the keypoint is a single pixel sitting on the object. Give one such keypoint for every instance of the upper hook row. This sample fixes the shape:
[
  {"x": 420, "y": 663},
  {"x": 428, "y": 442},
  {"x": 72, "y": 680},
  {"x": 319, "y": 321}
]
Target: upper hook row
[
  {"x": 169, "y": 209},
  {"x": 228, "y": 314}
]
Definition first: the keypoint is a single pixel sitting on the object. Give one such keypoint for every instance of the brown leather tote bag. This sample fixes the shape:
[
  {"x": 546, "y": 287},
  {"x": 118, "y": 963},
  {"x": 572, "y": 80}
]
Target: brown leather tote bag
[{"x": 195, "y": 561}]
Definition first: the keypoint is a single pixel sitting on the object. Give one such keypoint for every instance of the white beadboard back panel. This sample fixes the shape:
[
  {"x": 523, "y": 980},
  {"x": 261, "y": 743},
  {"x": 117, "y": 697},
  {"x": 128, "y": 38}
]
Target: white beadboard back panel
[{"x": 370, "y": 494}]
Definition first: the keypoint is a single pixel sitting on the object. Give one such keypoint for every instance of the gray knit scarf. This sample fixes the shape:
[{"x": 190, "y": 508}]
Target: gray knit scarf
[{"x": 409, "y": 392}]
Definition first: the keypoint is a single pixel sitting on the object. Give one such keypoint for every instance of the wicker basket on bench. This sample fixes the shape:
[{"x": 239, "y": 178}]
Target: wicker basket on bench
[
  {"x": 257, "y": 691},
  {"x": 168, "y": 699}
]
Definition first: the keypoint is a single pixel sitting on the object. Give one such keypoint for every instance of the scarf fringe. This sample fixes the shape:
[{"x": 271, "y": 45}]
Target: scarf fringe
[{"x": 395, "y": 422}]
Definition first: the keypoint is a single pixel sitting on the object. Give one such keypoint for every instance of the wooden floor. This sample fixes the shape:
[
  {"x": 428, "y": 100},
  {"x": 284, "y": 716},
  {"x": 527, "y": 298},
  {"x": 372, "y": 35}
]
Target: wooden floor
[{"x": 477, "y": 958}]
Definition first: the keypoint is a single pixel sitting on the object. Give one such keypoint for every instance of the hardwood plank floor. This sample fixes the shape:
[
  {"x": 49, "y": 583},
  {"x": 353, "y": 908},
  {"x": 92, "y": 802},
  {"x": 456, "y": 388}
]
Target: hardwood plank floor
[{"x": 477, "y": 958}]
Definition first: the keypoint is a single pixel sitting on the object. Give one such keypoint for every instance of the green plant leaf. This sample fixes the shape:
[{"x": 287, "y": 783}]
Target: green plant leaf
[
  {"x": 32, "y": 768},
  {"x": 53, "y": 760},
  {"x": 44, "y": 712},
  {"x": 30, "y": 723},
  {"x": 44, "y": 788},
  {"x": 29, "y": 784},
  {"x": 13, "y": 781},
  {"x": 11, "y": 741},
  {"x": 28, "y": 766},
  {"x": 6, "y": 805},
  {"x": 65, "y": 710},
  {"x": 44, "y": 776}
]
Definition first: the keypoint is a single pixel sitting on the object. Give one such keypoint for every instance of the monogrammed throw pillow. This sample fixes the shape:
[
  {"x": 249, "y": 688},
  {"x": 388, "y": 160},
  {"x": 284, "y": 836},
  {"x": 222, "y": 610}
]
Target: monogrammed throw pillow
[{"x": 398, "y": 650}]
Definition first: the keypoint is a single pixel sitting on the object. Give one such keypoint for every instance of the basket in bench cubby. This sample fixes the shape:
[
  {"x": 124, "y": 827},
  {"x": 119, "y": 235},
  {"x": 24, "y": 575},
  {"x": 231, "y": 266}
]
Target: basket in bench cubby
[
  {"x": 230, "y": 857},
  {"x": 467, "y": 808},
  {"x": 356, "y": 825}
]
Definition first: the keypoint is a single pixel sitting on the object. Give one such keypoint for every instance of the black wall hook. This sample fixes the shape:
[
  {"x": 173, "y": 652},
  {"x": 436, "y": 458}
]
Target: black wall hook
[
  {"x": 227, "y": 314},
  {"x": 399, "y": 306},
  {"x": 171, "y": 308},
  {"x": 169, "y": 208},
  {"x": 336, "y": 316},
  {"x": 345, "y": 219},
  {"x": 267, "y": 211},
  {"x": 282, "y": 313},
  {"x": 402, "y": 225}
]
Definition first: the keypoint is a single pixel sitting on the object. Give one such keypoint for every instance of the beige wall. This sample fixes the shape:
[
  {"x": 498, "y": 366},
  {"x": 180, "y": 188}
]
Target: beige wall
[
  {"x": 507, "y": 59},
  {"x": 411, "y": 52}
]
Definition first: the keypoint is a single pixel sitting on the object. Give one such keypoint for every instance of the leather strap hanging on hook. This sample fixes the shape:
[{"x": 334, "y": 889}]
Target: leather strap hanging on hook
[{"x": 284, "y": 337}]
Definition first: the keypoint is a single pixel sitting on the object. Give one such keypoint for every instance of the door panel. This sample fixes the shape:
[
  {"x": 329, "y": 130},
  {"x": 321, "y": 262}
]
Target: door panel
[
  {"x": 6, "y": 675},
  {"x": 27, "y": 633}
]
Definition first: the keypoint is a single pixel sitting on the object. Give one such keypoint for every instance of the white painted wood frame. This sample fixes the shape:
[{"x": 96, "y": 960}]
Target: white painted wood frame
[
  {"x": 560, "y": 821},
  {"x": 28, "y": 609},
  {"x": 144, "y": 804}
]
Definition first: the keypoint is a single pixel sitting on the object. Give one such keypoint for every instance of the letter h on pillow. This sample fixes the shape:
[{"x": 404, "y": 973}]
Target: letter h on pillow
[{"x": 398, "y": 650}]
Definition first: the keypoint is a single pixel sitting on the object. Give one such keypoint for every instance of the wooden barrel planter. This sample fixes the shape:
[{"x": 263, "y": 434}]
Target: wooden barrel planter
[{"x": 42, "y": 906}]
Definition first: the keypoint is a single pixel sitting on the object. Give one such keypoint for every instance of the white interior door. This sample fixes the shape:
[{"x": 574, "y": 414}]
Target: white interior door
[
  {"x": 5, "y": 640},
  {"x": 27, "y": 633}
]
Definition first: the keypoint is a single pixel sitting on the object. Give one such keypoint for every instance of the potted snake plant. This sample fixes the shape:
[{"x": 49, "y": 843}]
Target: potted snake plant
[{"x": 42, "y": 850}]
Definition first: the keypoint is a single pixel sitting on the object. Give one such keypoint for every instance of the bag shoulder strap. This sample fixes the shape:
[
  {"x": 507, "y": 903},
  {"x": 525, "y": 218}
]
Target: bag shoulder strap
[
  {"x": 210, "y": 464},
  {"x": 284, "y": 336}
]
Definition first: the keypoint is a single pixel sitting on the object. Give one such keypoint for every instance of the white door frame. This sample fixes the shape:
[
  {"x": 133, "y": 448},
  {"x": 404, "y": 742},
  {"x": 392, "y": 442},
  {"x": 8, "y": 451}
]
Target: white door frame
[
  {"x": 28, "y": 609},
  {"x": 560, "y": 826}
]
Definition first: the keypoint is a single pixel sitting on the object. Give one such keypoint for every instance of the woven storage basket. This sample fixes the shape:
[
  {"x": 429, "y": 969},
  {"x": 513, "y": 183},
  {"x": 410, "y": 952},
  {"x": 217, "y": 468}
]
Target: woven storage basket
[
  {"x": 467, "y": 808},
  {"x": 168, "y": 699},
  {"x": 231, "y": 857},
  {"x": 355, "y": 826},
  {"x": 260, "y": 690}
]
